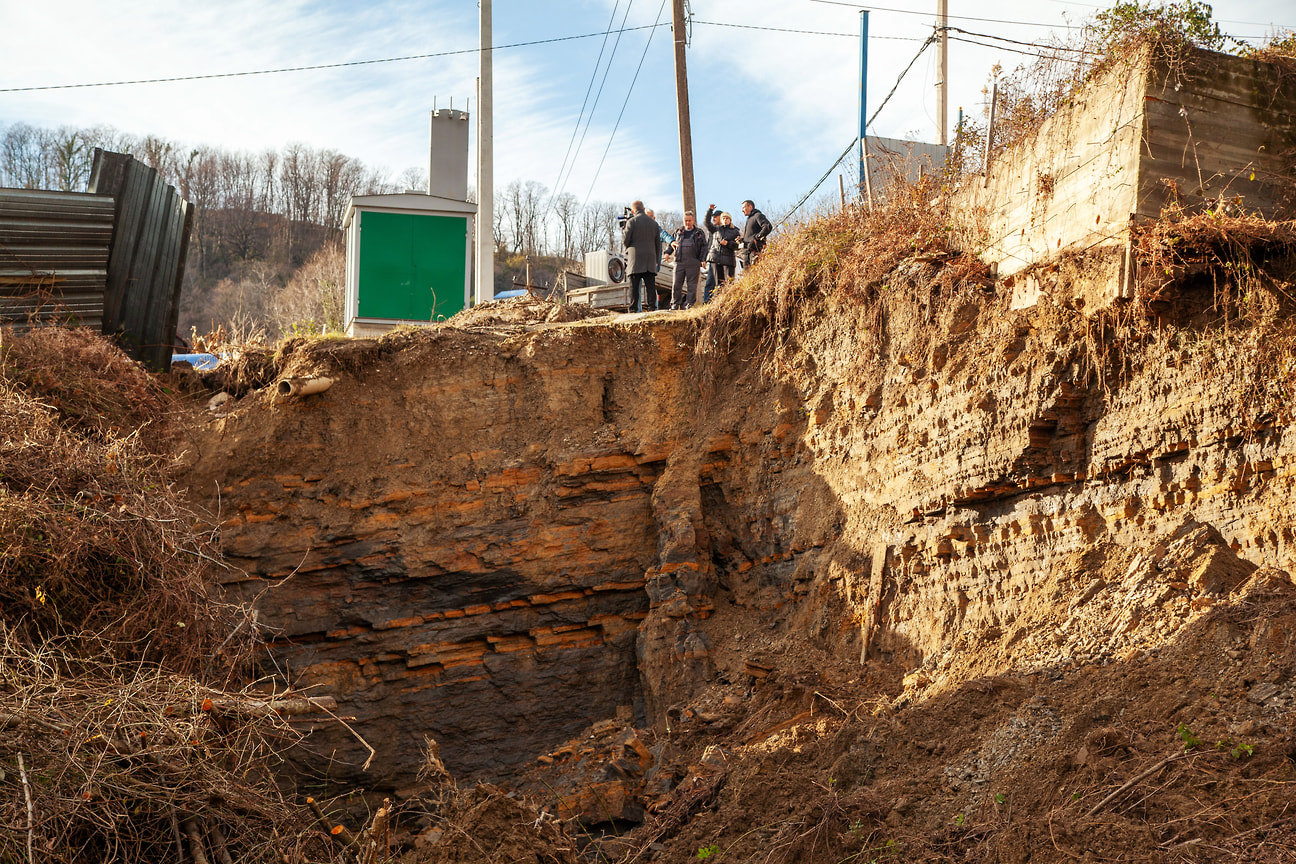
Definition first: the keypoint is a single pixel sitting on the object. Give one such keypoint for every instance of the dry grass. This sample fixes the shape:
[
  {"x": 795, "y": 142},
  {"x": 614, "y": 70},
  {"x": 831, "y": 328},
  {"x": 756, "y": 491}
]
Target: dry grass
[
  {"x": 122, "y": 738},
  {"x": 119, "y": 759},
  {"x": 852, "y": 255},
  {"x": 96, "y": 540}
]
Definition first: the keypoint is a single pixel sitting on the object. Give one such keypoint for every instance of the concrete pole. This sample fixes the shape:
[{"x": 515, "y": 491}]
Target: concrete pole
[
  {"x": 942, "y": 93},
  {"x": 682, "y": 102},
  {"x": 485, "y": 282}
]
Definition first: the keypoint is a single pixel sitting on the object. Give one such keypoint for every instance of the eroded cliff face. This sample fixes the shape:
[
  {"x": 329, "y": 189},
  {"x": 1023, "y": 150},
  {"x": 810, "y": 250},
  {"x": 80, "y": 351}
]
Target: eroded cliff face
[{"x": 499, "y": 535}]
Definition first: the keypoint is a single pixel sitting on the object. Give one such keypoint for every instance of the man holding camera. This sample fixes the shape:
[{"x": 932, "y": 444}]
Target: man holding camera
[
  {"x": 642, "y": 238},
  {"x": 754, "y": 232}
]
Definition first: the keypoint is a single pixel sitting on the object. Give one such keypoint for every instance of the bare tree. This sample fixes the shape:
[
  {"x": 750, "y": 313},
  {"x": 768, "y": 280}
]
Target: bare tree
[
  {"x": 566, "y": 211},
  {"x": 22, "y": 157},
  {"x": 71, "y": 155},
  {"x": 198, "y": 185},
  {"x": 412, "y": 178},
  {"x": 312, "y": 299},
  {"x": 160, "y": 155}
]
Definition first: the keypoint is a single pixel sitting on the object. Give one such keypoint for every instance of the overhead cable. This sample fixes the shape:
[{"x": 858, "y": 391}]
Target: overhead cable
[
  {"x": 633, "y": 80},
  {"x": 1019, "y": 42},
  {"x": 460, "y": 52},
  {"x": 863, "y": 8},
  {"x": 1013, "y": 50},
  {"x": 588, "y": 90},
  {"x": 806, "y": 197},
  {"x": 805, "y": 32},
  {"x": 589, "y": 120}
]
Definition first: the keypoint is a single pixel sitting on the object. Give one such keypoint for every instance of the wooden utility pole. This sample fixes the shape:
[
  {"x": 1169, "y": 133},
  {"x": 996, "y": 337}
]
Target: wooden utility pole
[
  {"x": 682, "y": 101},
  {"x": 942, "y": 92}
]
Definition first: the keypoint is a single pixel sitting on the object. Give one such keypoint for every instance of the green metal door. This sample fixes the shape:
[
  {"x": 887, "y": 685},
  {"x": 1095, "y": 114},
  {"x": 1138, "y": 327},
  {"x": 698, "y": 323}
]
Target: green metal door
[{"x": 411, "y": 266}]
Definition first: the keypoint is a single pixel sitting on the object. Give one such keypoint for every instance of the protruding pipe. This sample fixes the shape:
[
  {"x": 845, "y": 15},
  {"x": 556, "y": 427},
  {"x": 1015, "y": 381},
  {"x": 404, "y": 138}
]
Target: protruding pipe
[{"x": 303, "y": 386}]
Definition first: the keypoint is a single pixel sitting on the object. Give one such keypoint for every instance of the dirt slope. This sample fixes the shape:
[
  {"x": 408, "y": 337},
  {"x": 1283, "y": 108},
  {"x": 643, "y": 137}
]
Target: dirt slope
[{"x": 872, "y": 557}]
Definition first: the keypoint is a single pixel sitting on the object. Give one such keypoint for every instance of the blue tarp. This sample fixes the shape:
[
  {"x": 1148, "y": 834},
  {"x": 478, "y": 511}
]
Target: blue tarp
[{"x": 201, "y": 362}]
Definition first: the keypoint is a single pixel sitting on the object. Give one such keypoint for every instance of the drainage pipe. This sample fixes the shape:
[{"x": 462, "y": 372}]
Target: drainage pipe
[{"x": 303, "y": 386}]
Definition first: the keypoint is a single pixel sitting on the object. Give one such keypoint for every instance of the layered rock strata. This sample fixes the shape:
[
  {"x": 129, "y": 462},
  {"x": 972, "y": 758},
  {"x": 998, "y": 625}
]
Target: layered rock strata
[{"x": 497, "y": 538}]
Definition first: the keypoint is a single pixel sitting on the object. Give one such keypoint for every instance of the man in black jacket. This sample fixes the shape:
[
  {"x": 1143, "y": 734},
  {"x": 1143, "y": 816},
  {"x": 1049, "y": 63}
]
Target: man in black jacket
[
  {"x": 754, "y": 232},
  {"x": 643, "y": 244},
  {"x": 690, "y": 247}
]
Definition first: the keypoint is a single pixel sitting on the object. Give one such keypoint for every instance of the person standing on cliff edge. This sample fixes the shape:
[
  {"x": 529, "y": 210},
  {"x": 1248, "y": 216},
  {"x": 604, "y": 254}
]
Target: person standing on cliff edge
[
  {"x": 643, "y": 244},
  {"x": 690, "y": 248},
  {"x": 754, "y": 232}
]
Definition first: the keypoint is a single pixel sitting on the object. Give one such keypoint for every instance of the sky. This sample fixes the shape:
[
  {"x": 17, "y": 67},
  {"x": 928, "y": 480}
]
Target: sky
[{"x": 771, "y": 110}]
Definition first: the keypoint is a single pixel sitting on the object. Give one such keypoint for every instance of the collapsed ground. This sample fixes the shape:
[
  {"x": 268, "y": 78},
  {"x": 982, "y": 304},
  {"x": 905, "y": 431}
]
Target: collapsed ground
[
  {"x": 927, "y": 571},
  {"x": 860, "y": 564}
]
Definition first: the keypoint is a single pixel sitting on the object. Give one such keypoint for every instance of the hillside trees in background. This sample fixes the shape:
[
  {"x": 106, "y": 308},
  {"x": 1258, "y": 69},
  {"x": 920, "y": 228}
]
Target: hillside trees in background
[{"x": 265, "y": 254}]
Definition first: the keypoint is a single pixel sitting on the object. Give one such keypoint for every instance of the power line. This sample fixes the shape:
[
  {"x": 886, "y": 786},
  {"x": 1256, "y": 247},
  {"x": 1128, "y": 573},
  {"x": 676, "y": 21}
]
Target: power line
[
  {"x": 589, "y": 89},
  {"x": 558, "y": 189},
  {"x": 1011, "y": 50},
  {"x": 805, "y": 32},
  {"x": 863, "y": 8},
  {"x": 806, "y": 197},
  {"x": 1019, "y": 42},
  {"x": 633, "y": 81},
  {"x": 322, "y": 65}
]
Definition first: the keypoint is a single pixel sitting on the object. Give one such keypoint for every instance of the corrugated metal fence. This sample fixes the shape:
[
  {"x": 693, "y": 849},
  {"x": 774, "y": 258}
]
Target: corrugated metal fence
[
  {"x": 112, "y": 258},
  {"x": 146, "y": 266},
  {"x": 53, "y": 257}
]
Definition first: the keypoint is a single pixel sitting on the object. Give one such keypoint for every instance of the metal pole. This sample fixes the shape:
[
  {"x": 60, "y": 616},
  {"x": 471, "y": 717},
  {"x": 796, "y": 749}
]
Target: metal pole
[
  {"x": 485, "y": 287},
  {"x": 682, "y": 102},
  {"x": 994, "y": 103},
  {"x": 841, "y": 190},
  {"x": 942, "y": 92},
  {"x": 863, "y": 95}
]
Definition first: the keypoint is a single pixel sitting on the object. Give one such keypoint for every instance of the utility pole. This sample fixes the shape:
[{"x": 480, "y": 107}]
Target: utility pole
[
  {"x": 682, "y": 101},
  {"x": 485, "y": 287},
  {"x": 865, "y": 181},
  {"x": 942, "y": 92}
]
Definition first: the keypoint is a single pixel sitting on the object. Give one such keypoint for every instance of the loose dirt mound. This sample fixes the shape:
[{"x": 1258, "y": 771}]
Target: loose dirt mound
[
  {"x": 523, "y": 311},
  {"x": 1184, "y": 750}
]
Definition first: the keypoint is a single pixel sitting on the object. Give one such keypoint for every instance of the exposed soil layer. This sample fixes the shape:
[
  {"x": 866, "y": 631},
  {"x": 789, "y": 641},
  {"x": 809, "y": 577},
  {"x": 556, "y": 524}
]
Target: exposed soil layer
[{"x": 917, "y": 575}]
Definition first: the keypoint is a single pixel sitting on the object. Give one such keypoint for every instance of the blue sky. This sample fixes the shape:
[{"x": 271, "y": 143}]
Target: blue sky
[{"x": 771, "y": 110}]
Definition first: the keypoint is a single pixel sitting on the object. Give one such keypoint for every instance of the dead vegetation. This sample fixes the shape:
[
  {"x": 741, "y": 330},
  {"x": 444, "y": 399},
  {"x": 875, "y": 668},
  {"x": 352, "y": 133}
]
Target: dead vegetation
[
  {"x": 853, "y": 256},
  {"x": 128, "y": 735}
]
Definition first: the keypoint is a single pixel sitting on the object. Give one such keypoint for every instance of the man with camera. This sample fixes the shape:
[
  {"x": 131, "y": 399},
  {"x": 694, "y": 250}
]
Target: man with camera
[
  {"x": 643, "y": 244},
  {"x": 754, "y": 232}
]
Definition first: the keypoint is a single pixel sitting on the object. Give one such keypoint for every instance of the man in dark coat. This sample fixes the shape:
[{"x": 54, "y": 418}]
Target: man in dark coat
[
  {"x": 690, "y": 247},
  {"x": 643, "y": 244},
  {"x": 754, "y": 232},
  {"x": 723, "y": 249}
]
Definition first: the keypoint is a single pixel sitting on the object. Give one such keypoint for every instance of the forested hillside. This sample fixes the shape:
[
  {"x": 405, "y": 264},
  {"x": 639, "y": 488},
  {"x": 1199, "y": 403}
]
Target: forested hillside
[{"x": 266, "y": 252}]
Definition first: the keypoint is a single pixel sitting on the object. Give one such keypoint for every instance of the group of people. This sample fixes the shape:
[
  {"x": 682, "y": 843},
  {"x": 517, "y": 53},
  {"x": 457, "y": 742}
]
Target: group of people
[{"x": 716, "y": 245}]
